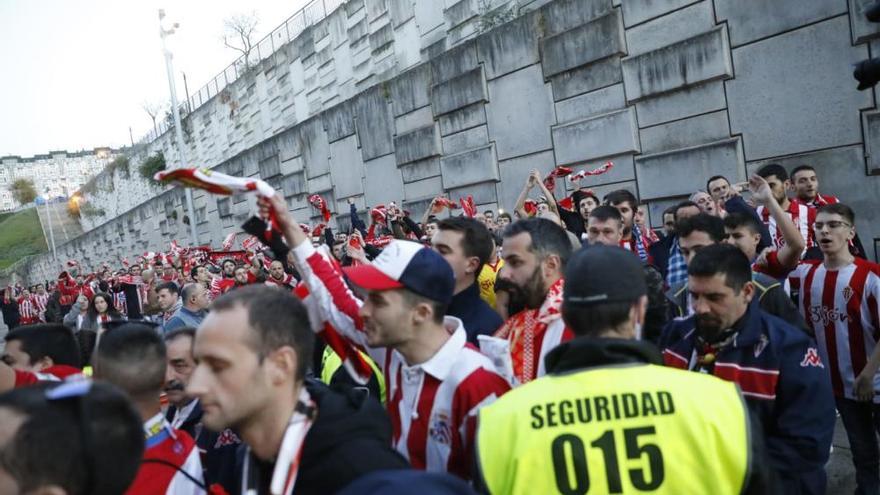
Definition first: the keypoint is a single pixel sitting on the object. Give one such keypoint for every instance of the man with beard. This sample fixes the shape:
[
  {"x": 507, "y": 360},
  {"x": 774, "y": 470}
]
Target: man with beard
[
  {"x": 698, "y": 232},
  {"x": 801, "y": 214},
  {"x": 633, "y": 238},
  {"x": 226, "y": 281},
  {"x": 805, "y": 183},
  {"x": 535, "y": 251},
  {"x": 218, "y": 450},
  {"x": 776, "y": 365},
  {"x": 279, "y": 278}
]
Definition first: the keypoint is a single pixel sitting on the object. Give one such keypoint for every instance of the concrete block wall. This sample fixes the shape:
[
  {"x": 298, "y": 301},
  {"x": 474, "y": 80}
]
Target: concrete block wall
[{"x": 418, "y": 103}]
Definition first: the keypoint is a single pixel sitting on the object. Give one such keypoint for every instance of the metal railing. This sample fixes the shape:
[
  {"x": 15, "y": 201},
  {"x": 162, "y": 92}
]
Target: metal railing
[{"x": 311, "y": 13}]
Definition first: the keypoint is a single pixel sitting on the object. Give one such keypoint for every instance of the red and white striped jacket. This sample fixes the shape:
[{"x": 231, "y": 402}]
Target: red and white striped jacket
[
  {"x": 843, "y": 308},
  {"x": 433, "y": 406},
  {"x": 803, "y": 217}
]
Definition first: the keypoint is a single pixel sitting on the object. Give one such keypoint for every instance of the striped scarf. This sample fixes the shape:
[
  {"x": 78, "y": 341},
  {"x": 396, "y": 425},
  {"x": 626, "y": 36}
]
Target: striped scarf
[{"x": 640, "y": 244}]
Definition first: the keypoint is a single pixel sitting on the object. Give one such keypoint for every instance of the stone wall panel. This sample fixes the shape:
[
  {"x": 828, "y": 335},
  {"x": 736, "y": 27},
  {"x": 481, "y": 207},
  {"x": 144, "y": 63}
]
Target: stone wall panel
[
  {"x": 705, "y": 57},
  {"x": 469, "y": 167},
  {"x": 609, "y": 134},
  {"x": 683, "y": 171},
  {"x": 520, "y": 111},
  {"x": 596, "y": 40},
  {"x": 459, "y": 92}
]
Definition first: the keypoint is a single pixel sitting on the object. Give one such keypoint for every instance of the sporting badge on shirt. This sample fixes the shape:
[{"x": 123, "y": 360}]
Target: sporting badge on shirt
[
  {"x": 811, "y": 358},
  {"x": 847, "y": 293},
  {"x": 441, "y": 428}
]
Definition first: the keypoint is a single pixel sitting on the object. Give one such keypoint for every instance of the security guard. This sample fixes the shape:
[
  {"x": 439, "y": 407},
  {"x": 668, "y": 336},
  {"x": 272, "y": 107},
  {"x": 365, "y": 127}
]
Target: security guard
[{"x": 608, "y": 417}]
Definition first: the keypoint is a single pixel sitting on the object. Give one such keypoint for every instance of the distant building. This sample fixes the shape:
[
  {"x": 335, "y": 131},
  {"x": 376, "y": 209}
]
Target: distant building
[{"x": 61, "y": 172}]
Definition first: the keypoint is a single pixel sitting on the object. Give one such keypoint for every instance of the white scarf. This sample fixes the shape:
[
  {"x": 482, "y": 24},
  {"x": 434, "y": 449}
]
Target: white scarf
[{"x": 287, "y": 462}]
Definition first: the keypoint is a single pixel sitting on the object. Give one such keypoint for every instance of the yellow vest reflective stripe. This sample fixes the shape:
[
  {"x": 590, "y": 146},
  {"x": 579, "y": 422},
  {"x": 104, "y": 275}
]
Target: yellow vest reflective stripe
[
  {"x": 620, "y": 429},
  {"x": 330, "y": 362}
]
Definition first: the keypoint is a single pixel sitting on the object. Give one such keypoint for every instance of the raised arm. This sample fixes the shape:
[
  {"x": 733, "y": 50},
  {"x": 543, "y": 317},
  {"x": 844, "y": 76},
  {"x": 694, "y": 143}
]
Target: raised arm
[
  {"x": 521, "y": 200},
  {"x": 790, "y": 254}
]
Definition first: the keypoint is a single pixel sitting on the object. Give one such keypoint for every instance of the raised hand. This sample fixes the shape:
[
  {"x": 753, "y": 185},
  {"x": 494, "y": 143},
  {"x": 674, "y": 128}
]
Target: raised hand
[{"x": 760, "y": 190}]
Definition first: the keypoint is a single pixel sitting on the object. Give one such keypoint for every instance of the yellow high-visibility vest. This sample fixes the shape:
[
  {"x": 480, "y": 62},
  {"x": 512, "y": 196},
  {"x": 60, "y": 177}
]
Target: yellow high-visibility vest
[
  {"x": 618, "y": 429},
  {"x": 330, "y": 362}
]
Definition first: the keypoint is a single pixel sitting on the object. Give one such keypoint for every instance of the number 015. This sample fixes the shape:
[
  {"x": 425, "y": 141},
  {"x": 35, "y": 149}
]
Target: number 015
[{"x": 579, "y": 484}]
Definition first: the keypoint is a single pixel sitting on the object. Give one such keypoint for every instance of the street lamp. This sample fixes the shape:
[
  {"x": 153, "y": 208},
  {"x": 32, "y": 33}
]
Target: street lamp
[
  {"x": 51, "y": 231},
  {"x": 175, "y": 112}
]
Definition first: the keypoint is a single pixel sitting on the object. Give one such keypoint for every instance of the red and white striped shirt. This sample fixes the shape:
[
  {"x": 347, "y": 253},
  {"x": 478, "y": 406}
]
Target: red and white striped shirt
[
  {"x": 28, "y": 311},
  {"x": 288, "y": 282},
  {"x": 803, "y": 217},
  {"x": 822, "y": 200},
  {"x": 433, "y": 406},
  {"x": 841, "y": 306},
  {"x": 41, "y": 300}
]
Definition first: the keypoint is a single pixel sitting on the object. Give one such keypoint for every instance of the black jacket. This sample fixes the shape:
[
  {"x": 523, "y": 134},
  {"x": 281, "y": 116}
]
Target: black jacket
[
  {"x": 351, "y": 437},
  {"x": 10, "y": 312},
  {"x": 219, "y": 450},
  {"x": 475, "y": 313}
]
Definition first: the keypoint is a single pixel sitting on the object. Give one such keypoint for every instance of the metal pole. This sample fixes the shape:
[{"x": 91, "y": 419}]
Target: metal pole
[
  {"x": 51, "y": 232},
  {"x": 178, "y": 132},
  {"x": 186, "y": 90}
]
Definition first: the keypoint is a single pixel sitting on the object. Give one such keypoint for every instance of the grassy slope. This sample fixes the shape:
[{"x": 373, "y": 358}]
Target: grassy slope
[{"x": 20, "y": 236}]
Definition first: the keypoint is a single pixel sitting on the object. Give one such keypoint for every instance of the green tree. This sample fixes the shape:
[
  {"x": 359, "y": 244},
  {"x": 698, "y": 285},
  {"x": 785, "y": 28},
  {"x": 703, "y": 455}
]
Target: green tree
[{"x": 23, "y": 191}]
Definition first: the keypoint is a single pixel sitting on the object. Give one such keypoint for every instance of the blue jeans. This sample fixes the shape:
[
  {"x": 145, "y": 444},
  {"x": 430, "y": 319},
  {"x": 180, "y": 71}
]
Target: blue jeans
[{"x": 862, "y": 423}]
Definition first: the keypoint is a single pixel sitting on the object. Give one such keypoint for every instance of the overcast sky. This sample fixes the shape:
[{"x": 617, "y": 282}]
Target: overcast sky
[{"x": 74, "y": 73}]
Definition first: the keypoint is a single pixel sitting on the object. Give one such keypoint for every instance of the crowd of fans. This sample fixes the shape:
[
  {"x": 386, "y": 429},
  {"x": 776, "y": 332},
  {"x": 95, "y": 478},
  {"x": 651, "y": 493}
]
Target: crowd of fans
[{"x": 531, "y": 351}]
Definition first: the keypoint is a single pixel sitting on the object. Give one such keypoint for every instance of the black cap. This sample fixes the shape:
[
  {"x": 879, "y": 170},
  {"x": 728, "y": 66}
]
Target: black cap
[{"x": 603, "y": 274}]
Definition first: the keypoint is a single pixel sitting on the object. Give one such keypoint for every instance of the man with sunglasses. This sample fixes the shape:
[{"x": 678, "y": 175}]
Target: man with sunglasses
[
  {"x": 840, "y": 299},
  {"x": 76, "y": 438},
  {"x": 132, "y": 357}
]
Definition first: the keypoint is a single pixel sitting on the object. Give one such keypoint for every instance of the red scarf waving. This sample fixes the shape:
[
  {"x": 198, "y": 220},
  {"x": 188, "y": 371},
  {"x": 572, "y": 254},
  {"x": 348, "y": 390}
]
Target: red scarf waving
[{"x": 318, "y": 202}]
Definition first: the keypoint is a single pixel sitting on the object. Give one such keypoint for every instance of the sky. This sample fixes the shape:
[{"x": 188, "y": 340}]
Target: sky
[{"x": 74, "y": 74}]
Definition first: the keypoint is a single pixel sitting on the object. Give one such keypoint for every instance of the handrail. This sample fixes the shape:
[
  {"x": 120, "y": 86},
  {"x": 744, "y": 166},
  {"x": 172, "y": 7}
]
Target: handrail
[{"x": 308, "y": 15}]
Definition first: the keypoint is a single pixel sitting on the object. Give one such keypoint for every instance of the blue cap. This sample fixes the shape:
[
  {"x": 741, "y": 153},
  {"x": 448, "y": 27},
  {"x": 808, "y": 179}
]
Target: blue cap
[{"x": 407, "y": 265}]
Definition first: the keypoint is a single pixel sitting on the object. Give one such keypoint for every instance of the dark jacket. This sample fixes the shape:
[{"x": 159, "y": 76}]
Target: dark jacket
[
  {"x": 769, "y": 292},
  {"x": 219, "y": 451},
  {"x": 659, "y": 252},
  {"x": 478, "y": 317},
  {"x": 657, "y": 314},
  {"x": 351, "y": 437},
  {"x": 784, "y": 382},
  {"x": 10, "y": 312}
]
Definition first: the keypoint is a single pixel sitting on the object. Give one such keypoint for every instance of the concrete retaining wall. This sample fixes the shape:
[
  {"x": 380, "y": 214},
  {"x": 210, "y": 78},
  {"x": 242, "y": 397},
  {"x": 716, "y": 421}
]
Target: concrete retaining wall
[{"x": 402, "y": 99}]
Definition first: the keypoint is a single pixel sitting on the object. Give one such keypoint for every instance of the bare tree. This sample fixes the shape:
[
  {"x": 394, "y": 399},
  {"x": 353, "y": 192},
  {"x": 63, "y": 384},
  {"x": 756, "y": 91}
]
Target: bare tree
[
  {"x": 153, "y": 109},
  {"x": 240, "y": 33}
]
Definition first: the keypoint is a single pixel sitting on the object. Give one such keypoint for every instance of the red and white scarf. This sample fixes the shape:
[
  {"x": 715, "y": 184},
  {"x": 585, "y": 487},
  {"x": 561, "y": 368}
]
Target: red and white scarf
[{"x": 525, "y": 329}]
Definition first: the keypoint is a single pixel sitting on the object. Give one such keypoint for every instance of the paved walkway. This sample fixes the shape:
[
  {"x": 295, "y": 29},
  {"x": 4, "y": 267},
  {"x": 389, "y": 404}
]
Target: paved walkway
[{"x": 841, "y": 475}]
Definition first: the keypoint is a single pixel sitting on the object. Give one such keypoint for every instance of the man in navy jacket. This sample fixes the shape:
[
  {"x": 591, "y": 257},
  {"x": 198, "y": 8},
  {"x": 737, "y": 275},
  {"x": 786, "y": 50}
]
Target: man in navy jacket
[
  {"x": 776, "y": 365},
  {"x": 466, "y": 245}
]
